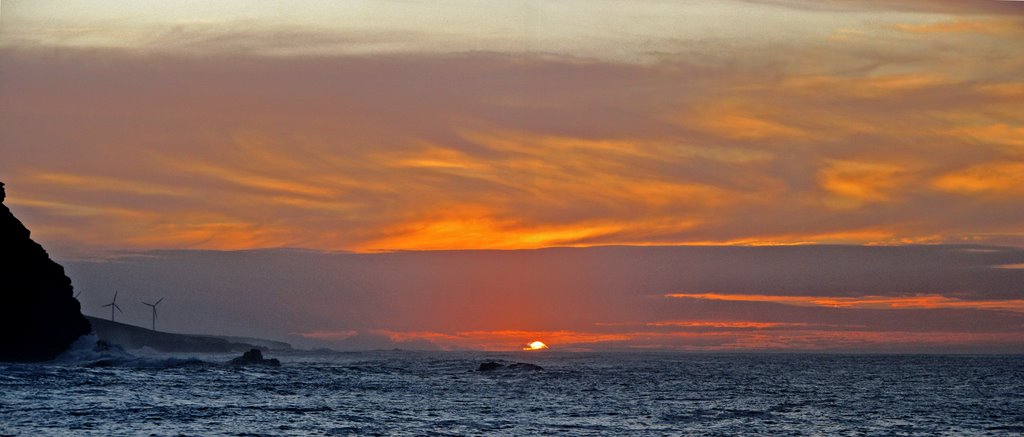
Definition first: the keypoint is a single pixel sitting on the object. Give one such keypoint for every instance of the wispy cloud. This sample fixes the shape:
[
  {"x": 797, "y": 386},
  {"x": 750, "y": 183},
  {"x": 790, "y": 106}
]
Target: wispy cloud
[
  {"x": 994, "y": 26},
  {"x": 877, "y": 302},
  {"x": 494, "y": 151}
]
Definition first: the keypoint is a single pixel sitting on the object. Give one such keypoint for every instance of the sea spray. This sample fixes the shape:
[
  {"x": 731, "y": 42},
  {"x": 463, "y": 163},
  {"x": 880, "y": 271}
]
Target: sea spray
[{"x": 88, "y": 351}]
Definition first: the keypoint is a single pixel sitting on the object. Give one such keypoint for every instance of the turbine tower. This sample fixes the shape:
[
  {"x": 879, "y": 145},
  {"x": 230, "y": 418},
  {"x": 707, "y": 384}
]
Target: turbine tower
[
  {"x": 113, "y": 306},
  {"x": 153, "y": 306}
]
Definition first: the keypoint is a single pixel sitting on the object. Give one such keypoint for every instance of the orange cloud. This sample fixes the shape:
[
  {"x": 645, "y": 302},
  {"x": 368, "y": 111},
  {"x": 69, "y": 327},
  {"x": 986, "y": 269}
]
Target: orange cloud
[
  {"x": 726, "y": 325},
  {"x": 69, "y": 181},
  {"x": 994, "y": 26},
  {"x": 253, "y": 181},
  {"x": 873, "y": 340},
  {"x": 866, "y": 86},
  {"x": 857, "y": 183},
  {"x": 717, "y": 324},
  {"x": 76, "y": 209},
  {"x": 213, "y": 234},
  {"x": 476, "y": 227},
  {"x": 434, "y": 157},
  {"x": 1006, "y": 178},
  {"x": 1010, "y": 90},
  {"x": 997, "y": 133},
  {"x": 875, "y": 302},
  {"x": 740, "y": 123}
]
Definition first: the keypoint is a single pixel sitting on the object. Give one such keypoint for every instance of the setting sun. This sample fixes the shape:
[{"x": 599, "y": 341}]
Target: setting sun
[{"x": 535, "y": 346}]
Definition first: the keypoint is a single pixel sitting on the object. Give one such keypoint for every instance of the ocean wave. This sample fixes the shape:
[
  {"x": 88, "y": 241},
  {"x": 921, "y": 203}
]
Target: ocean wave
[{"x": 89, "y": 351}]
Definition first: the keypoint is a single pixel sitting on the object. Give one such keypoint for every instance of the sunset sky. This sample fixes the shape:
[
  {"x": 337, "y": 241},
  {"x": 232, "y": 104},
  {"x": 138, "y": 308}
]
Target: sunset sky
[{"x": 827, "y": 175}]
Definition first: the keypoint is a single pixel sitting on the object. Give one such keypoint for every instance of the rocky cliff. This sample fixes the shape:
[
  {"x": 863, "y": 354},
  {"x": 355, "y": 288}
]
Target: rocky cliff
[{"x": 39, "y": 316}]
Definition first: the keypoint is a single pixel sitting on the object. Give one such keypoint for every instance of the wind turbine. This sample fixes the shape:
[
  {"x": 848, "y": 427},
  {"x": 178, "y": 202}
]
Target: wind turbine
[
  {"x": 153, "y": 306},
  {"x": 113, "y": 306}
]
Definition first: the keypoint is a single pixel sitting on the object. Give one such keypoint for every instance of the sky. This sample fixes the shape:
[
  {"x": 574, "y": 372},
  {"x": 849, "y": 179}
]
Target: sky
[{"x": 382, "y": 148}]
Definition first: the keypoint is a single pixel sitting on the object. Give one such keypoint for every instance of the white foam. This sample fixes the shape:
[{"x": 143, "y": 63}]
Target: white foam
[{"x": 86, "y": 352}]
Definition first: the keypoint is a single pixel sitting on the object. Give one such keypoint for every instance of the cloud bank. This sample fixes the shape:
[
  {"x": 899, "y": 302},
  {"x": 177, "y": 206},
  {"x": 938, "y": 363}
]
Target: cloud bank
[{"x": 497, "y": 151}]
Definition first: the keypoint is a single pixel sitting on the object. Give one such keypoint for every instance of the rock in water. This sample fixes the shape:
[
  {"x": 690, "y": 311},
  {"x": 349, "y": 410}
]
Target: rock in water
[
  {"x": 254, "y": 357},
  {"x": 39, "y": 316},
  {"x": 524, "y": 367},
  {"x": 491, "y": 366}
]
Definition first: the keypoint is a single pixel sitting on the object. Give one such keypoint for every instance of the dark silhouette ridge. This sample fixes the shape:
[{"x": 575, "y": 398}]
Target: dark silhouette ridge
[
  {"x": 135, "y": 337},
  {"x": 39, "y": 316}
]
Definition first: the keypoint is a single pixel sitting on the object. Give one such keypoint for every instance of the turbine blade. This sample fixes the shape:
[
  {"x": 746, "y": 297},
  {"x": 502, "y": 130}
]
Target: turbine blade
[
  {"x": 109, "y": 304},
  {"x": 115, "y": 296},
  {"x": 158, "y": 302},
  {"x": 118, "y": 309}
]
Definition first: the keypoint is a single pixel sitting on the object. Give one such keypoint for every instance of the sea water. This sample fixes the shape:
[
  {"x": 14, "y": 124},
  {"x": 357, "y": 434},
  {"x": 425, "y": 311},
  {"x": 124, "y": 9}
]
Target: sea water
[{"x": 441, "y": 393}]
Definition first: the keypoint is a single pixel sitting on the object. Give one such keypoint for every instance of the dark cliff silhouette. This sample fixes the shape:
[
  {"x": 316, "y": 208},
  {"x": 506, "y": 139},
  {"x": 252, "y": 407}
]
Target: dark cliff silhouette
[{"x": 39, "y": 317}]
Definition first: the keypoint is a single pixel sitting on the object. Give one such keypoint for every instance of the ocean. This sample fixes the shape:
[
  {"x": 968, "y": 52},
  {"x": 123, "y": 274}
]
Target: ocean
[{"x": 442, "y": 393}]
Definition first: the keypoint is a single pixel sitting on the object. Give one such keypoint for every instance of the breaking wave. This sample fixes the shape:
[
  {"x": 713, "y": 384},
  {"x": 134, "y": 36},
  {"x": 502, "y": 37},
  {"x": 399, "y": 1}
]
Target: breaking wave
[{"x": 89, "y": 351}]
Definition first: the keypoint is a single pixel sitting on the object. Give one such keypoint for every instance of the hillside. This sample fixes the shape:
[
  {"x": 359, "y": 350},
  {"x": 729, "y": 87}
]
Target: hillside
[{"x": 134, "y": 337}]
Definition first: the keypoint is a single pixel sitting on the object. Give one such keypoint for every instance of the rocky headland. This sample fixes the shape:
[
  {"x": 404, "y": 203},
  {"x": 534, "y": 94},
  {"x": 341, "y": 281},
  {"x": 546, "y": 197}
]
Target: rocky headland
[{"x": 39, "y": 316}]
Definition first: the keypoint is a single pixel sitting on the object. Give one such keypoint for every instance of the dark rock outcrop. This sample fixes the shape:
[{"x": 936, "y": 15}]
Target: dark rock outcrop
[
  {"x": 39, "y": 316},
  {"x": 254, "y": 357},
  {"x": 491, "y": 366}
]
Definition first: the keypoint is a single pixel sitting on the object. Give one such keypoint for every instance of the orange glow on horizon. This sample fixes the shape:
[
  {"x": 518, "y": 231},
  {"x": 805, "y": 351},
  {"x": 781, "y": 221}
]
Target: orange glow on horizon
[{"x": 797, "y": 338}]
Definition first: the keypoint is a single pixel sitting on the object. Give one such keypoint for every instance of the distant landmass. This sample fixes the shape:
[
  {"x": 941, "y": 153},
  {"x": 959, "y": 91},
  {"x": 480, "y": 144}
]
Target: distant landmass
[
  {"x": 39, "y": 316},
  {"x": 135, "y": 337}
]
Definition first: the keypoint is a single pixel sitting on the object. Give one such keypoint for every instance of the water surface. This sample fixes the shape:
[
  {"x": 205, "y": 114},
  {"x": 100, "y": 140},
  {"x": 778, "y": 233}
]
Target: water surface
[{"x": 577, "y": 393}]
